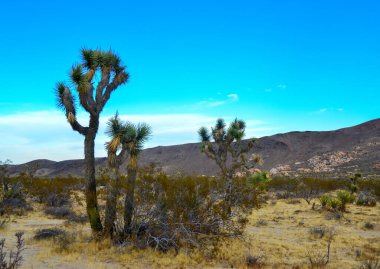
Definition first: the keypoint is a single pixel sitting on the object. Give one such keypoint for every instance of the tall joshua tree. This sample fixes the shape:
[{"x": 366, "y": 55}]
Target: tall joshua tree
[
  {"x": 228, "y": 152},
  {"x": 92, "y": 94}
]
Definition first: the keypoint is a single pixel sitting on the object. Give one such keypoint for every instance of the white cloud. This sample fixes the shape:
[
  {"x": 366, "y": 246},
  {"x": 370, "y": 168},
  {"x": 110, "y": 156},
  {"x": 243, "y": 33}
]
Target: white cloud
[
  {"x": 322, "y": 110},
  {"x": 340, "y": 109},
  {"x": 47, "y": 135},
  {"x": 233, "y": 97},
  {"x": 268, "y": 90},
  {"x": 282, "y": 86}
]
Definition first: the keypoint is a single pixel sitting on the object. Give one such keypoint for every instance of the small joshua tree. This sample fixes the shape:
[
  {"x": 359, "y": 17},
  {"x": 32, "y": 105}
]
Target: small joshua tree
[
  {"x": 353, "y": 185},
  {"x": 116, "y": 153},
  {"x": 93, "y": 95},
  {"x": 228, "y": 151},
  {"x": 135, "y": 137},
  {"x": 126, "y": 138}
]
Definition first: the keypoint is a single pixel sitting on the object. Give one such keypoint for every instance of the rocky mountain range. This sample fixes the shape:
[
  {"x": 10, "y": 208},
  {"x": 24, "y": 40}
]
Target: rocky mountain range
[{"x": 327, "y": 153}]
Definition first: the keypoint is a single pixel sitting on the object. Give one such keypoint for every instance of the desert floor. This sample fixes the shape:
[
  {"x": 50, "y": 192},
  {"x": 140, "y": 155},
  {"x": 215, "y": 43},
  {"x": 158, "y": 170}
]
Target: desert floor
[{"x": 279, "y": 232}]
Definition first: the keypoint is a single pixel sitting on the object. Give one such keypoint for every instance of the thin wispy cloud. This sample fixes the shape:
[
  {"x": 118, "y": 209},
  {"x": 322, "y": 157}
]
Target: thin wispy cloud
[
  {"x": 230, "y": 98},
  {"x": 282, "y": 86},
  {"x": 278, "y": 86},
  {"x": 47, "y": 135}
]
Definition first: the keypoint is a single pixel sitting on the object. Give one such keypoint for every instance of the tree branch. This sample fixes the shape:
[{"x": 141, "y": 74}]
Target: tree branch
[
  {"x": 119, "y": 79},
  {"x": 106, "y": 74},
  {"x": 78, "y": 127}
]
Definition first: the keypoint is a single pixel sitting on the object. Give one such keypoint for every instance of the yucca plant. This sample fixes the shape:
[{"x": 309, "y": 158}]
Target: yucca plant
[
  {"x": 334, "y": 203},
  {"x": 93, "y": 95},
  {"x": 345, "y": 197},
  {"x": 324, "y": 199},
  {"x": 228, "y": 151}
]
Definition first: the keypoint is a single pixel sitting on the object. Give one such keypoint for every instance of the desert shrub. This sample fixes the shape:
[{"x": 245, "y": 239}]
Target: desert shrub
[
  {"x": 369, "y": 225},
  {"x": 345, "y": 197},
  {"x": 370, "y": 185},
  {"x": 318, "y": 260},
  {"x": 43, "y": 189},
  {"x": 315, "y": 185},
  {"x": 255, "y": 261},
  {"x": 334, "y": 215},
  {"x": 187, "y": 212},
  {"x": 319, "y": 231},
  {"x": 364, "y": 199},
  {"x": 59, "y": 212},
  {"x": 63, "y": 241},
  {"x": 369, "y": 257},
  {"x": 56, "y": 200},
  {"x": 261, "y": 222},
  {"x": 373, "y": 263},
  {"x": 283, "y": 184},
  {"x": 321, "y": 185},
  {"x": 14, "y": 257},
  {"x": 81, "y": 218},
  {"x": 285, "y": 195},
  {"x": 3, "y": 221},
  {"x": 13, "y": 201},
  {"x": 48, "y": 233},
  {"x": 293, "y": 202}
]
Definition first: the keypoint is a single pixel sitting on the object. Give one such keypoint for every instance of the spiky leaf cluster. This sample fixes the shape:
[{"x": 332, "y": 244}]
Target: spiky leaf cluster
[
  {"x": 92, "y": 96},
  {"x": 125, "y": 137}
]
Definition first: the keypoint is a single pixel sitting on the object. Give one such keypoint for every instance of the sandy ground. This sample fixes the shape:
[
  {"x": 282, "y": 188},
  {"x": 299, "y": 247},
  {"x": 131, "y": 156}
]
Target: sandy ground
[{"x": 279, "y": 231}]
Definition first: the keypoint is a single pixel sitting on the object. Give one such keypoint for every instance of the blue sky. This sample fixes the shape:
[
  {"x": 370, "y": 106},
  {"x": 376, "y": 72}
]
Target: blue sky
[{"x": 279, "y": 65}]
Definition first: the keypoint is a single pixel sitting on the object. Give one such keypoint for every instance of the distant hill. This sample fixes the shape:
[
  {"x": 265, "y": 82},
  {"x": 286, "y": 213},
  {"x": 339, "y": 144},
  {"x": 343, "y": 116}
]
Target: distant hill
[{"x": 332, "y": 153}]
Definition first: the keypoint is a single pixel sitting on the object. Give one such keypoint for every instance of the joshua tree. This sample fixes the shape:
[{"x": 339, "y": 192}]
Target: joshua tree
[
  {"x": 116, "y": 152},
  {"x": 93, "y": 94},
  {"x": 228, "y": 151},
  {"x": 4, "y": 174},
  {"x": 125, "y": 138},
  {"x": 354, "y": 180},
  {"x": 135, "y": 137}
]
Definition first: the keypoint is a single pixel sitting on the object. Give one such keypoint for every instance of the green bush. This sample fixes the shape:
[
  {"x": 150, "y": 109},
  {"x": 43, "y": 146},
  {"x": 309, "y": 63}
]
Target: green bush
[
  {"x": 345, "y": 198},
  {"x": 334, "y": 203},
  {"x": 325, "y": 200}
]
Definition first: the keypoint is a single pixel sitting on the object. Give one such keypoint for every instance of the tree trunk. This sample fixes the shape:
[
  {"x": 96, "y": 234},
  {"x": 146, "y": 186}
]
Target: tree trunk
[
  {"x": 89, "y": 159},
  {"x": 5, "y": 184},
  {"x": 228, "y": 195},
  {"x": 129, "y": 196},
  {"x": 111, "y": 204}
]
